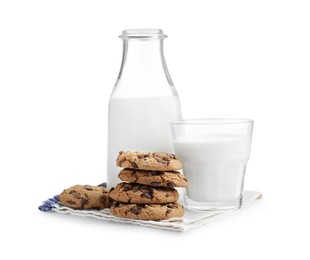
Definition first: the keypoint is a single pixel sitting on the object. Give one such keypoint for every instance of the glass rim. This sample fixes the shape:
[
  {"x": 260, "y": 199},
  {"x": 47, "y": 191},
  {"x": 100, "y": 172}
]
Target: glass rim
[
  {"x": 143, "y": 34},
  {"x": 213, "y": 121}
]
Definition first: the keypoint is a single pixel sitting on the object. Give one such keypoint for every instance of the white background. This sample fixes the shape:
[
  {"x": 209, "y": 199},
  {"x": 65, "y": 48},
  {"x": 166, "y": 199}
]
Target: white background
[{"x": 58, "y": 63}]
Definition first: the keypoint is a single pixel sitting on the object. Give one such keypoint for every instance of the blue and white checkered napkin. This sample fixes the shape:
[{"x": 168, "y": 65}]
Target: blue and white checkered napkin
[{"x": 191, "y": 219}]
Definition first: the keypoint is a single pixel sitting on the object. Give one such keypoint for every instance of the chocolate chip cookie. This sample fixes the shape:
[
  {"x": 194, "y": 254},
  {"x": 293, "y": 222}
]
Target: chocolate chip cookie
[
  {"x": 147, "y": 211},
  {"x": 154, "y": 178},
  {"x": 148, "y": 161},
  {"x": 142, "y": 194},
  {"x": 86, "y": 197}
]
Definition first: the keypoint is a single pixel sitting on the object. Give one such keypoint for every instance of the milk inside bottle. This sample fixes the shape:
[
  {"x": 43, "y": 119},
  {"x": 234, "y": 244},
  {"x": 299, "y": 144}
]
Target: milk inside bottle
[{"x": 144, "y": 100}]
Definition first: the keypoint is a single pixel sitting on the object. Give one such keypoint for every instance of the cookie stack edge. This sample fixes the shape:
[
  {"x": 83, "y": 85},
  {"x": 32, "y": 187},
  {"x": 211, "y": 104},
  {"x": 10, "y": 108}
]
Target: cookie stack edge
[{"x": 150, "y": 193}]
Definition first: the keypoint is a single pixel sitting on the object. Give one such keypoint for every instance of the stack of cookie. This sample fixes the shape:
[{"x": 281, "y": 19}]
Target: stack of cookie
[{"x": 150, "y": 193}]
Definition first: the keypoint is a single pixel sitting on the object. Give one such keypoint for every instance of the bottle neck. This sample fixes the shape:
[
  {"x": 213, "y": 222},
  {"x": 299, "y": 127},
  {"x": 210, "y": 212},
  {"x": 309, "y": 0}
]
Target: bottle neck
[
  {"x": 144, "y": 65},
  {"x": 144, "y": 58}
]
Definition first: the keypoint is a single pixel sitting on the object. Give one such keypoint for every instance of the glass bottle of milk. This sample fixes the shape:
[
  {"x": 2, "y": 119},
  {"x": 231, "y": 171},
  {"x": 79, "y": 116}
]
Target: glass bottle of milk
[{"x": 144, "y": 100}]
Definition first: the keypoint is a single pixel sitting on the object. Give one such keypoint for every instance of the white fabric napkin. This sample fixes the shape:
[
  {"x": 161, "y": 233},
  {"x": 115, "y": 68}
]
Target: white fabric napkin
[{"x": 191, "y": 219}]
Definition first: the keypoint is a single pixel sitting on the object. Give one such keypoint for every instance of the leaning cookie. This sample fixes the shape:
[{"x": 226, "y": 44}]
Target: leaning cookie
[
  {"x": 147, "y": 211},
  {"x": 154, "y": 178},
  {"x": 142, "y": 194},
  {"x": 149, "y": 161},
  {"x": 86, "y": 197}
]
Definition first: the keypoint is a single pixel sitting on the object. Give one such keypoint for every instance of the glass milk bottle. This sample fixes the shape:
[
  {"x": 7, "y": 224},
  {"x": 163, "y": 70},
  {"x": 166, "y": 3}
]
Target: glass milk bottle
[{"x": 144, "y": 100}]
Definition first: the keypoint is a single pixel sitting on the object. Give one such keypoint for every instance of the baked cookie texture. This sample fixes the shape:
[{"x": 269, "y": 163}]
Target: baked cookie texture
[
  {"x": 86, "y": 197},
  {"x": 148, "y": 192},
  {"x": 143, "y": 194},
  {"x": 148, "y": 161},
  {"x": 147, "y": 211},
  {"x": 169, "y": 179}
]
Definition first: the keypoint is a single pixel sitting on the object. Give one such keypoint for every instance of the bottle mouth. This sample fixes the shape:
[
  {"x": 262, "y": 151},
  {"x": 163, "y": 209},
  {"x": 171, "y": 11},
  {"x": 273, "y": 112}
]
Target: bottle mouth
[{"x": 143, "y": 34}]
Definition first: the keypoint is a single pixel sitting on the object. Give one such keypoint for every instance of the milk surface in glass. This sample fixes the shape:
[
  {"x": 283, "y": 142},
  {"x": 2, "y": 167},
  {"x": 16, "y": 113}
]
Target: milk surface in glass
[{"x": 214, "y": 165}]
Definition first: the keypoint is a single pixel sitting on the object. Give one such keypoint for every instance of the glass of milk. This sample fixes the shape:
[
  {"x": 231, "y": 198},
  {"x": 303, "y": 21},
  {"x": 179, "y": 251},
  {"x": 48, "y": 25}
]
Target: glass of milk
[{"x": 215, "y": 153}]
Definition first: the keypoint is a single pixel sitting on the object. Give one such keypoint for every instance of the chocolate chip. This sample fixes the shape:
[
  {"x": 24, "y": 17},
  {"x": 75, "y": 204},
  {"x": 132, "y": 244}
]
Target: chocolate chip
[
  {"x": 134, "y": 175},
  {"x": 84, "y": 202},
  {"x": 76, "y": 195},
  {"x": 168, "y": 211},
  {"x": 154, "y": 183},
  {"x": 135, "y": 187},
  {"x": 116, "y": 204},
  {"x": 134, "y": 165},
  {"x": 71, "y": 191},
  {"x": 143, "y": 157},
  {"x": 121, "y": 152},
  {"x": 173, "y": 156},
  {"x": 103, "y": 199},
  {"x": 170, "y": 184},
  {"x": 71, "y": 202},
  {"x": 135, "y": 210},
  {"x": 156, "y": 173},
  {"x": 126, "y": 189},
  {"x": 147, "y": 194},
  {"x": 162, "y": 161},
  {"x": 122, "y": 161},
  {"x": 170, "y": 206},
  {"x": 89, "y": 188}
]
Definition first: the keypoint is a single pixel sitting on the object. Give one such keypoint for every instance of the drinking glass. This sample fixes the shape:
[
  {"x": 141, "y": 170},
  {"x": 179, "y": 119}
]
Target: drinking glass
[{"x": 215, "y": 152}]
